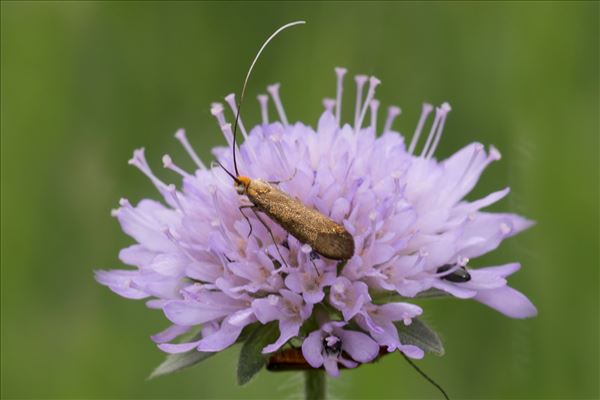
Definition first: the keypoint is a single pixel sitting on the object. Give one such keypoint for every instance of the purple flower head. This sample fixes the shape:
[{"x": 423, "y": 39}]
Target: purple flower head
[{"x": 205, "y": 262}]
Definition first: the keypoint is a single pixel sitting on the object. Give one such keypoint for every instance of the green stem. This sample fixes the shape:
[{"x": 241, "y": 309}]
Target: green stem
[{"x": 315, "y": 384}]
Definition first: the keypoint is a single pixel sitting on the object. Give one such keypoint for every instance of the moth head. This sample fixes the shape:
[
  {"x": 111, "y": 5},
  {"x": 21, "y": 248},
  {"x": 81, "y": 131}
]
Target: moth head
[{"x": 241, "y": 184}]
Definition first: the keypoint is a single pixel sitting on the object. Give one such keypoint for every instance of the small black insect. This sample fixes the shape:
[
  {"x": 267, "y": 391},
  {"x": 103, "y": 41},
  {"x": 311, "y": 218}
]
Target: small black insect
[
  {"x": 461, "y": 275},
  {"x": 334, "y": 348}
]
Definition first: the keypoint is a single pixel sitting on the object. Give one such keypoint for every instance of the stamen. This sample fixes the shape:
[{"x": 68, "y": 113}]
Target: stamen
[
  {"x": 445, "y": 109},
  {"x": 169, "y": 164},
  {"x": 360, "y": 83},
  {"x": 180, "y": 135},
  {"x": 274, "y": 91},
  {"x": 169, "y": 234},
  {"x": 340, "y": 72},
  {"x": 173, "y": 192},
  {"x": 263, "y": 99},
  {"x": 329, "y": 104},
  {"x": 494, "y": 154},
  {"x": 139, "y": 160},
  {"x": 393, "y": 112},
  {"x": 216, "y": 109},
  {"x": 478, "y": 148},
  {"x": 432, "y": 131},
  {"x": 426, "y": 110},
  {"x": 373, "y": 82},
  {"x": 228, "y": 133},
  {"x": 374, "y": 108},
  {"x": 230, "y": 99}
]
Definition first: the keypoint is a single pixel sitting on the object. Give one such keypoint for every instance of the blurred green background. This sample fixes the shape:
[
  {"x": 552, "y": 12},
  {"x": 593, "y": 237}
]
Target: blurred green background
[{"x": 83, "y": 84}]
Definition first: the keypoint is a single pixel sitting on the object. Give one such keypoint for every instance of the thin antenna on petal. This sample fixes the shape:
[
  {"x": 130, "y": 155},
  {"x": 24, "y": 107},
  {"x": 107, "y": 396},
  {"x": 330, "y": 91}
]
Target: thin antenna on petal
[{"x": 239, "y": 108}]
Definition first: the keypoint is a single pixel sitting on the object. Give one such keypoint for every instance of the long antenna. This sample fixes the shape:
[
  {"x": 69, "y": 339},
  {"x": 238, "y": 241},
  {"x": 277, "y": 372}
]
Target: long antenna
[{"x": 239, "y": 107}]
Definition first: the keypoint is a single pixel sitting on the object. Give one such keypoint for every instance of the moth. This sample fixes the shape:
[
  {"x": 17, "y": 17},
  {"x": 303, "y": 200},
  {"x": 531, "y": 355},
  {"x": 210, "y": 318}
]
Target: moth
[{"x": 309, "y": 226}]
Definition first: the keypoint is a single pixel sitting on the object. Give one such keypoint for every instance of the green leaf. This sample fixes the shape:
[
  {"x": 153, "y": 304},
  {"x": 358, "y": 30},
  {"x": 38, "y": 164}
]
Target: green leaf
[
  {"x": 177, "y": 362},
  {"x": 252, "y": 360},
  {"x": 420, "y": 335}
]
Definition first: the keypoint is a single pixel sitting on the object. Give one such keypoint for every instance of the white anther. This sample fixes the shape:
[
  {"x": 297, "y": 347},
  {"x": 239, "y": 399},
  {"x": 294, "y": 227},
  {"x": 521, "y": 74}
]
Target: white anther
[
  {"x": 494, "y": 154},
  {"x": 139, "y": 161},
  {"x": 329, "y": 104},
  {"x": 216, "y": 109},
  {"x": 169, "y": 164},
  {"x": 393, "y": 112}
]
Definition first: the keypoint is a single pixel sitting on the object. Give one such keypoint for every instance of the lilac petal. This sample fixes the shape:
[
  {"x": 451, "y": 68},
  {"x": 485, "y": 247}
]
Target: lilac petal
[
  {"x": 292, "y": 281},
  {"x": 230, "y": 330},
  {"x": 411, "y": 351},
  {"x": 312, "y": 349},
  {"x": 267, "y": 310},
  {"x": 184, "y": 312},
  {"x": 501, "y": 271},
  {"x": 331, "y": 366},
  {"x": 148, "y": 232},
  {"x": 360, "y": 346},
  {"x": 490, "y": 230},
  {"x": 508, "y": 301},
  {"x": 288, "y": 330},
  {"x": 120, "y": 282},
  {"x": 169, "y": 334},
  {"x": 346, "y": 363},
  {"x": 136, "y": 255},
  {"x": 178, "y": 347},
  {"x": 399, "y": 311},
  {"x": 454, "y": 289},
  {"x": 490, "y": 277},
  {"x": 314, "y": 297},
  {"x": 490, "y": 199}
]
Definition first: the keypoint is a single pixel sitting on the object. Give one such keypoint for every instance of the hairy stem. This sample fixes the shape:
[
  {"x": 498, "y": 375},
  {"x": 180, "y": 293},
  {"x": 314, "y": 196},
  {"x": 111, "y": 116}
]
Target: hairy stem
[{"x": 315, "y": 384}]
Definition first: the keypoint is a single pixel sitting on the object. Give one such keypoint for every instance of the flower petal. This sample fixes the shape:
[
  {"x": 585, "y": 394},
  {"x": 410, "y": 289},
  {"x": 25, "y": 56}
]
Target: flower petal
[{"x": 508, "y": 301}]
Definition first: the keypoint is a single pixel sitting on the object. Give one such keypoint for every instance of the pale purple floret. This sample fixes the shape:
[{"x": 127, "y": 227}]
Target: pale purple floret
[
  {"x": 289, "y": 309},
  {"x": 379, "y": 320},
  {"x": 197, "y": 261},
  {"x": 326, "y": 347}
]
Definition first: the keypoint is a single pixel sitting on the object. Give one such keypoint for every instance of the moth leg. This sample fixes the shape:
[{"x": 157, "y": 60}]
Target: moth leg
[
  {"x": 312, "y": 257},
  {"x": 246, "y": 217},
  {"x": 262, "y": 221},
  {"x": 286, "y": 180}
]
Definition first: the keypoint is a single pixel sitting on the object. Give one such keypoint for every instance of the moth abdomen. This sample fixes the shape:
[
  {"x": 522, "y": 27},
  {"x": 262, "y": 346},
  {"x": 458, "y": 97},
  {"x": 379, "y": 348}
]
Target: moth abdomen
[{"x": 325, "y": 236}]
